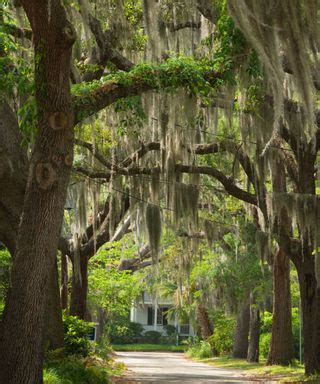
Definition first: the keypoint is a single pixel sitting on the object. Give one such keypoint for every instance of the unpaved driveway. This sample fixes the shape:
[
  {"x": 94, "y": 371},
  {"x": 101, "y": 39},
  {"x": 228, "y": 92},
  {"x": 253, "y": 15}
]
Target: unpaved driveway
[{"x": 165, "y": 367}]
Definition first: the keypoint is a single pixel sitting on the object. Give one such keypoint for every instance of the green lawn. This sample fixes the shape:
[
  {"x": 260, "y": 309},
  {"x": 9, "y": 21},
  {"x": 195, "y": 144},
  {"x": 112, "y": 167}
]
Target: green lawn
[
  {"x": 293, "y": 373},
  {"x": 148, "y": 347}
]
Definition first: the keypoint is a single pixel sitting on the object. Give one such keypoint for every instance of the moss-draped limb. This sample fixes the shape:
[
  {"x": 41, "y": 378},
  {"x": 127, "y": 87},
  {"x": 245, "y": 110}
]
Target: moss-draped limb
[{"x": 196, "y": 76}]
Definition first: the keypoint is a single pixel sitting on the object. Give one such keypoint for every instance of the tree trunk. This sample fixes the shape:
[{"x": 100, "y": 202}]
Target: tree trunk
[
  {"x": 13, "y": 176},
  {"x": 254, "y": 333},
  {"x": 240, "y": 348},
  {"x": 79, "y": 290},
  {"x": 54, "y": 334},
  {"x": 310, "y": 302},
  {"x": 101, "y": 323},
  {"x": 64, "y": 296},
  {"x": 305, "y": 264},
  {"x": 206, "y": 327},
  {"x": 281, "y": 344},
  {"x": 21, "y": 336}
]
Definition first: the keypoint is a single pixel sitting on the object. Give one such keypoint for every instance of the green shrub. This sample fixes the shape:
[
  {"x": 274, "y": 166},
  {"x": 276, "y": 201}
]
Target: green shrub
[
  {"x": 74, "y": 371},
  {"x": 200, "y": 350},
  {"x": 51, "y": 377},
  {"x": 264, "y": 344},
  {"x": 266, "y": 323},
  {"x": 152, "y": 337},
  {"x": 296, "y": 332},
  {"x": 223, "y": 337},
  {"x": 170, "y": 330},
  {"x": 172, "y": 339},
  {"x": 171, "y": 336},
  {"x": 5, "y": 264},
  {"x": 103, "y": 348},
  {"x": 125, "y": 332},
  {"x": 76, "y": 336}
]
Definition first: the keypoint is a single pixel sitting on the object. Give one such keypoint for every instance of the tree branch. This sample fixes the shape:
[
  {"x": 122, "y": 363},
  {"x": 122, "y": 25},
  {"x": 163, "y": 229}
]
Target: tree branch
[
  {"x": 139, "y": 80},
  {"x": 228, "y": 183},
  {"x": 107, "y": 53},
  {"x": 98, "y": 155}
]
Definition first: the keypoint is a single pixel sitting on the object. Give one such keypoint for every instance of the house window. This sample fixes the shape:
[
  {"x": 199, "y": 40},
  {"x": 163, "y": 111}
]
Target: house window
[
  {"x": 184, "y": 329},
  {"x": 150, "y": 315},
  {"x": 161, "y": 316}
]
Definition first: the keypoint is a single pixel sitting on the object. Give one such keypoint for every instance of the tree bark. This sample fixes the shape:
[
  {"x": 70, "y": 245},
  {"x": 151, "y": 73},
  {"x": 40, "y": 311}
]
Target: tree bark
[
  {"x": 241, "y": 342},
  {"x": 206, "y": 327},
  {"x": 54, "y": 333},
  {"x": 305, "y": 264},
  {"x": 310, "y": 302},
  {"x": 281, "y": 344},
  {"x": 79, "y": 290},
  {"x": 254, "y": 333},
  {"x": 101, "y": 323},
  {"x": 22, "y": 328},
  {"x": 13, "y": 176},
  {"x": 64, "y": 296}
]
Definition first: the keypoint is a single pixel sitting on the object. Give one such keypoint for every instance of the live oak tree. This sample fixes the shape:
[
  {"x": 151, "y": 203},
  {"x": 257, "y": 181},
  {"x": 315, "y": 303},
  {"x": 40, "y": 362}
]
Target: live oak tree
[{"x": 170, "y": 149}]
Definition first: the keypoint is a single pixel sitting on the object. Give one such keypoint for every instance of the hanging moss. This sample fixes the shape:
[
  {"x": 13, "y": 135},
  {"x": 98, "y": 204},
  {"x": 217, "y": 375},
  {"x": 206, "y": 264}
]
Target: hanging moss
[
  {"x": 275, "y": 27},
  {"x": 304, "y": 207},
  {"x": 263, "y": 245},
  {"x": 153, "y": 223},
  {"x": 210, "y": 231},
  {"x": 185, "y": 203}
]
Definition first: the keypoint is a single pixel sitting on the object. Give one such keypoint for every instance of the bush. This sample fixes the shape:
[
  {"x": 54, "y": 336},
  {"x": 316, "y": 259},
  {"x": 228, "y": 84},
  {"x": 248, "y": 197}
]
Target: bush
[
  {"x": 266, "y": 324},
  {"x": 264, "y": 344},
  {"x": 74, "y": 371},
  {"x": 171, "y": 335},
  {"x": 76, "y": 340},
  {"x": 172, "y": 339},
  {"x": 152, "y": 337},
  {"x": 170, "y": 330},
  {"x": 51, "y": 377},
  {"x": 103, "y": 347},
  {"x": 200, "y": 350},
  {"x": 125, "y": 332},
  {"x": 223, "y": 336}
]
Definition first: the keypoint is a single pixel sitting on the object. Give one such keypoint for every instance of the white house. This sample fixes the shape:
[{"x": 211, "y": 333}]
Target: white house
[{"x": 152, "y": 314}]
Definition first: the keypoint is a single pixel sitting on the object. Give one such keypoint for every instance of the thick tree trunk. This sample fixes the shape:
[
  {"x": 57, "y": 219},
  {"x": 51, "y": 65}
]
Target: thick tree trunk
[
  {"x": 310, "y": 301},
  {"x": 254, "y": 333},
  {"x": 13, "y": 176},
  {"x": 79, "y": 290},
  {"x": 281, "y": 345},
  {"x": 305, "y": 264},
  {"x": 21, "y": 336},
  {"x": 241, "y": 342},
  {"x": 54, "y": 333},
  {"x": 64, "y": 296}
]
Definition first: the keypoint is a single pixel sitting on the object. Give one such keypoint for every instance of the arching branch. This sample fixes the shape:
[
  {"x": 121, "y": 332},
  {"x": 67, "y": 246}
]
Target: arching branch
[{"x": 107, "y": 53}]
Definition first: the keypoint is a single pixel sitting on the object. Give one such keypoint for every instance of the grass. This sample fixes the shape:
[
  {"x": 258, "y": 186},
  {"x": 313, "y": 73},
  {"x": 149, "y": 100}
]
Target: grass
[
  {"x": 149, "y": 347},
  {"x": 290, "y": 374}
]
